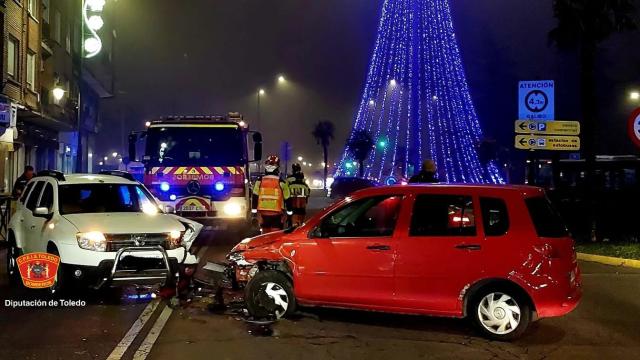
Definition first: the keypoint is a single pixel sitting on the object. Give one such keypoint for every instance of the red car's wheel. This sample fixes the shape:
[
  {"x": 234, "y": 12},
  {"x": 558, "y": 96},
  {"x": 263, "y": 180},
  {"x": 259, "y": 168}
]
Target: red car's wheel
[
  {"x": 500, "y": 314},
  {"x": 270, "y": 295}
]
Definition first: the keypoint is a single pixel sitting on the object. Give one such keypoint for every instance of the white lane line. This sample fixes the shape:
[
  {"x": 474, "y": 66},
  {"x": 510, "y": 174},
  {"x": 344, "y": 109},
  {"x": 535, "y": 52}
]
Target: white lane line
[
  {"x": 128, "y": 338},
  {"x": 145, "y": 348}
]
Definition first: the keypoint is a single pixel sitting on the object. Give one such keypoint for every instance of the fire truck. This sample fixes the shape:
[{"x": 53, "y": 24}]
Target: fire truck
[{"x": 199, "y": 166}]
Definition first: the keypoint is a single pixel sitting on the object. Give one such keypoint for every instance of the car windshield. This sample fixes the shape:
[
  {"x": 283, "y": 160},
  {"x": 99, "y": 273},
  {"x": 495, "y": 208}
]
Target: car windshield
[
  {"x": 195, "y": 146},
  {"x": 105, "y": 198}
]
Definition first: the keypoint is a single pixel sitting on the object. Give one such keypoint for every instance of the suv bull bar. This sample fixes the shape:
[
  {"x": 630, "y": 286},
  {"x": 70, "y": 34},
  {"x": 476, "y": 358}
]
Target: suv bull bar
[{"x": 141, "y": 277}]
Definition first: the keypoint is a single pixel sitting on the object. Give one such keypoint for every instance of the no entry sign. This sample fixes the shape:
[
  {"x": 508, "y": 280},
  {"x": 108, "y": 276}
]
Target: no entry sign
[{"x": 634, "y": 127}]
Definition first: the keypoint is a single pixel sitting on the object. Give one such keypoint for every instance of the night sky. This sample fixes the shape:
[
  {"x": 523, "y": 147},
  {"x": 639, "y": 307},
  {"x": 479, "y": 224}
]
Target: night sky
[{"x": 207, "y": 57}]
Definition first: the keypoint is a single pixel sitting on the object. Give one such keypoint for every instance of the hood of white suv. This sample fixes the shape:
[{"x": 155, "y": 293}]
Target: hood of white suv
[{"x": 125, "y": 223}]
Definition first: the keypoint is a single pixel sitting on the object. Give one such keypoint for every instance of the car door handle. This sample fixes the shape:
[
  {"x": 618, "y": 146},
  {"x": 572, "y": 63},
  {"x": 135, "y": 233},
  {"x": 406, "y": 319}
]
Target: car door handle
[
  {"x": 471, "y": 247},
  {"x": 379, "y": 247}
]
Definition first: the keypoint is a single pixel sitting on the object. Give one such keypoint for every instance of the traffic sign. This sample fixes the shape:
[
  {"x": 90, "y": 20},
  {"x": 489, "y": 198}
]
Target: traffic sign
[
  {"x": 536, "y": 100},
  {"x": 571, "y": 128},
  {"x": 553, "y": 143},
  {"x": 634, "y": 127}
]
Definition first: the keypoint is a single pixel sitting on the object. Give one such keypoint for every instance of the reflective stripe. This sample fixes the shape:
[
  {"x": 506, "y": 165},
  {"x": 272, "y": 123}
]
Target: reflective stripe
[
  {"x": 206, "y": 170},
  {"x": 270, "y": 195}
]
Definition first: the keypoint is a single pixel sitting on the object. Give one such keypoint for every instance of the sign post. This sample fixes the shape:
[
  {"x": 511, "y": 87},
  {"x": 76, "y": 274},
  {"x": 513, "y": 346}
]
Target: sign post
[{"x": 634, "y": 127}]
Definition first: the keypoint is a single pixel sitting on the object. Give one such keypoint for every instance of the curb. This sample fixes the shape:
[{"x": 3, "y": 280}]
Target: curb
[{"x": 608, "y": 260}]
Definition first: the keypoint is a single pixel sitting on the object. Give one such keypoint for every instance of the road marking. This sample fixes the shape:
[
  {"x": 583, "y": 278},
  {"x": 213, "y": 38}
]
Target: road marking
[
  {"x": 128, "y": 338},
  {"x": 145, "y": 348}
]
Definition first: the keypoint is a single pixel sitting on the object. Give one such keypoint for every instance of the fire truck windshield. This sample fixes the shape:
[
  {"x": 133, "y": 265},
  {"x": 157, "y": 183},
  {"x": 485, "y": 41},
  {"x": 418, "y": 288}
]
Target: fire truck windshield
[{"x": 195, "y": 146}]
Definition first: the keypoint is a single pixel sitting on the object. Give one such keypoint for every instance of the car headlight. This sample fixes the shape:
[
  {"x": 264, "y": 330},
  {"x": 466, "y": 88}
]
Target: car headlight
[
  {"x": 232, "y": 209},
  {"x": 93, "y": 240}
]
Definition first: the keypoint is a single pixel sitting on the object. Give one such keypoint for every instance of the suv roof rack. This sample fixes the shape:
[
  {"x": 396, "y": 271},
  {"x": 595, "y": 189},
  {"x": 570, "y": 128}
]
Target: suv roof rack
[
  {"x": 118, "y": 173},
  {"x": 52, "y": 173}
]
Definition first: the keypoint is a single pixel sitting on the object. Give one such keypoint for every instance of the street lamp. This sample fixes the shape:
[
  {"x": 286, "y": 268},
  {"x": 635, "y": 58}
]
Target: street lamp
[
  {"x": 393, "y": 83},
  {"x": 281, "y": 79},
  {"x": 634, "y": 95},
  {"x": 147, "y": 124},
  {"x": 261, "y": 93},
  {"x": 300, "y": 158},
  {"x": 58, "y": 93}
]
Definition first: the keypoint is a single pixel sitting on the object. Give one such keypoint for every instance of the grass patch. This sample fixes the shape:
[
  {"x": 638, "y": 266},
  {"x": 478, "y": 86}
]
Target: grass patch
[{"x": 625, "y": 251}]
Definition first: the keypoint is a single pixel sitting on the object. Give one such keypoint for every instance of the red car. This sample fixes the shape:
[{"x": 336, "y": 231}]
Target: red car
[{"x": 499, "y": 255}]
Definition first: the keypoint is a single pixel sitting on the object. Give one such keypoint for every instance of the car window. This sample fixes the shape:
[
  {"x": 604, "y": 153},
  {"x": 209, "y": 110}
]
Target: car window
[
  {"x": 25, "y": 194},
  {"x": 46, "y": 200},
  {"x": 370, "y": 217},
  {"x": 104, "y": 198},
  {"x": 32, "y": 202},
  {"x": 495, "y": 217},
  {"x": 443, "y": 215},
  {"x": 546, "y": 219}
]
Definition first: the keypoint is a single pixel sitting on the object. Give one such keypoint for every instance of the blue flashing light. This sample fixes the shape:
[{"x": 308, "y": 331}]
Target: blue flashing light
[
  {"x": 165, "y": 186},
  {"x": 219, "y": 186}
]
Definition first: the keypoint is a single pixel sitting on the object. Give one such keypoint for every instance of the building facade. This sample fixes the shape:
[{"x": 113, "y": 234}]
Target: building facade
[{"x": 51, "y": 94}]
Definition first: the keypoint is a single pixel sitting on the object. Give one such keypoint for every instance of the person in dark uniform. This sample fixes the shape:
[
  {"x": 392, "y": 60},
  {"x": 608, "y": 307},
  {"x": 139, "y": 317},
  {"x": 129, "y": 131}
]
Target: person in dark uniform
[
  {"x": 427, "y": 175},
  {"x": 300, "y": 193},
  {"x": 22, "y": 181}
]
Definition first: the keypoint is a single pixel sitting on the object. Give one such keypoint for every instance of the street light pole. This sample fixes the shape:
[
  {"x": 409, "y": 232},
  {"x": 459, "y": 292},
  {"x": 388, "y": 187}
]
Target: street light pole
[{"x": 261, "y": 92}]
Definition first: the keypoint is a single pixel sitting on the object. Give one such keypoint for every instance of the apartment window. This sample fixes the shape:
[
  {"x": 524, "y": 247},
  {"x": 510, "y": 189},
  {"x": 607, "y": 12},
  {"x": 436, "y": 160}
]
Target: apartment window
[
  {"x": 31, "y": 71},
  {"x": 57, "y": 25},
  {"x": 67, "y": 43},
  {"x": 12, "y": 57},
  {"x": 45, "y": 11},
  {"x": 33, "y": 8}
]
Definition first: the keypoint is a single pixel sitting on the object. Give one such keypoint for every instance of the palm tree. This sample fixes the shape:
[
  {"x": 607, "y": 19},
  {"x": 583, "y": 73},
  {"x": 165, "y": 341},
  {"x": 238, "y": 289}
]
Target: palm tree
[
  {"x": 360, "y": 145},
  {"x": 583, "y": 25},
  {"x": 324, "y": 133}
]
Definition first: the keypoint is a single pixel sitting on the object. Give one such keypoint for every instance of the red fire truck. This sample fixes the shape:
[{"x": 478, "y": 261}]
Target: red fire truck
[{"x": 199, "y": 166}]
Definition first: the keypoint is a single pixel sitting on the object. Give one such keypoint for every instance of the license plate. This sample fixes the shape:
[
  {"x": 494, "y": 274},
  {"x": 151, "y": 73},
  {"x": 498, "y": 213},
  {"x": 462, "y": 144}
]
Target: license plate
[{"x": 193, "y": 208}]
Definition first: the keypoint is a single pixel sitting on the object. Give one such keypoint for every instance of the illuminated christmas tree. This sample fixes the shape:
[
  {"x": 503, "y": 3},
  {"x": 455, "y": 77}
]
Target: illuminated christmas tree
[{"x": 416, "y": 102}]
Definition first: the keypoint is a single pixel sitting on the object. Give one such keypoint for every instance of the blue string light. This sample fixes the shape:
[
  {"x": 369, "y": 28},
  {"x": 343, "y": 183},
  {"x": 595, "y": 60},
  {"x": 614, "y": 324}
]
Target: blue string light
[{"x": 416, "y": 101}]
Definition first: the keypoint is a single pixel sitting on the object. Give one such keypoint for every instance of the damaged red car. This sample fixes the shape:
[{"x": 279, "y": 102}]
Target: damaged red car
[{"x": 498, "y": 255}]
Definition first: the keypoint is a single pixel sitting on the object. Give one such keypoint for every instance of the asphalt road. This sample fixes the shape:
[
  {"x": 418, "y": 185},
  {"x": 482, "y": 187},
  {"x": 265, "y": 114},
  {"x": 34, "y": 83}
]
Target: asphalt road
[{"x": 604, "y": 326}]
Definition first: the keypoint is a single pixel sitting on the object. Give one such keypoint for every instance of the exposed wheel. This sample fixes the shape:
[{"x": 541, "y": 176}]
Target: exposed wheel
[
  {"x": 270, "y": 295},
  {"x": 13, "y": 252},
  {"x": 500, "y": 314},
  {"x": 60, "y": 282}
]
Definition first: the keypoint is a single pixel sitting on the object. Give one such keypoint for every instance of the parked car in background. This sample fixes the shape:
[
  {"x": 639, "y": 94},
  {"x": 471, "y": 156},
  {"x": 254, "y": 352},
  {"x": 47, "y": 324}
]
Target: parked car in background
[
  {"x": 498, "y": 255},
  {"x": 343, "y": 186}
]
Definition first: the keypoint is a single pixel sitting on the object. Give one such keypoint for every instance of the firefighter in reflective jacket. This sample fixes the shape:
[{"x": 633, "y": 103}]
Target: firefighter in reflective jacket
[
  {"x": 300, "y": 193},
  {"x": 270, "y": 197}
]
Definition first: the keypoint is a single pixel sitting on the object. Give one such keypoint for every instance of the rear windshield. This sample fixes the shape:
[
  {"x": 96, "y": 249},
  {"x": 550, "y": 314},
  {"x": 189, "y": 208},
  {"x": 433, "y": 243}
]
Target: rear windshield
[{"x": 545, "y": 218}]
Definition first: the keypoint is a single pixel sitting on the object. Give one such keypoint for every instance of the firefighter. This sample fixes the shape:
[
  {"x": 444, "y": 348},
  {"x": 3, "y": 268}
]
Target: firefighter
[
  {"x": 270, "y": 197},
  {"x": 300, "y": 193}
]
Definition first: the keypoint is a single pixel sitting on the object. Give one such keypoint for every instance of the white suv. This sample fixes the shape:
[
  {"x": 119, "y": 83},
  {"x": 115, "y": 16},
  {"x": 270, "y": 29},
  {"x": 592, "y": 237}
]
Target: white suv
[{"x": 107, "y": 229}]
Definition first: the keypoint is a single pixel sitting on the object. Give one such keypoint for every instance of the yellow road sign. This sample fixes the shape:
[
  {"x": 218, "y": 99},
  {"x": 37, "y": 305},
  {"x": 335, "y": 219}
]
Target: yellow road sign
[
  {"x": 553, "y": 143},
  {"x": 569, "y": 128}
]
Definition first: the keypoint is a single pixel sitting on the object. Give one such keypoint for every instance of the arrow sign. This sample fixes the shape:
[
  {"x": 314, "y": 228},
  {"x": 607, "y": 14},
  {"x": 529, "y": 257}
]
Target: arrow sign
[
  {"x": 569, "y": 128},
  {"x": 552, "y": 143}
]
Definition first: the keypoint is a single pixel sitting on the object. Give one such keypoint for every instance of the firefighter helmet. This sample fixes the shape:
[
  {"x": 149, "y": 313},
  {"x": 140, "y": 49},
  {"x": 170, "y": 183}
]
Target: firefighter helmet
[
  {"x": 296, "y": 168},
  {"x": 272, "y": 164}
]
